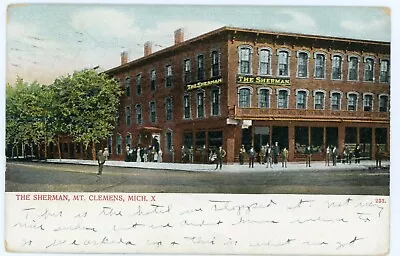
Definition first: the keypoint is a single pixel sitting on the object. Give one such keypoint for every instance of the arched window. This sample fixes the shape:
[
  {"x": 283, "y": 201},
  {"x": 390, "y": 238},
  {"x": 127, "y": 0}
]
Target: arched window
[
  {"x": 336, "y": 98},
  {"x": 244, "y": 95},
  {"x": 384, "y": 71},
  {"x": 283, "y": 62},
  {"x": 128, "y": 140},
  {"x": 215, "y": 102},
  {"x": 301, "y": 98},
  {"x": 383, "y": 103},
  {"x": 245, "y": 58},
  {"x": 369, "y": 69},
  {"x": 127, "y": 86},
  {"x": 152, "y": 111},
  {"x": 283, "y": 98},
  {"x": 319, "y": 69},
  {"x": 139, "y": 119},
  {"x": 118, "y": 144},
  {"x": 368, "y": 100},
  {"x": 352, "y": 99},
  {"x": 186, "y": 107},
  {"x": 319, "y": 99},
  {"x": 200, "y": 104},
  {"x": 302, "y": 64},
  {"x": 264, "y": 97},
  {"x": 168, "y": 109},
  {"x": 337, "y": 61},
  {"x": 353, "y": 68},
  {"x": 264, "y": 61}
]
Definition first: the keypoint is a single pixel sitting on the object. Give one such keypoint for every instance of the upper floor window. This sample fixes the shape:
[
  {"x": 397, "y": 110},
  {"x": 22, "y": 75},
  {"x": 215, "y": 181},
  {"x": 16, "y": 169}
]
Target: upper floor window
[
  {"x": 245, "y": 53},
  {"x": 319, "y": 71},
  {"x": 200, "y": 67},
  {"x": 127, "y": 86},
  {"x": 118, "y": 142},
  {"x": 335, "y": 100},
  {"x": 384, "y": 71},
  {"x": 301, "y": 99},
  {"x": 187, "y": 74},
  {"x": 264, "y": 98},
  {"x": 152, "y": 112},
  {"x": 128, "y": 115},
  {"x": 367, "y": 102},
  {"x": 369, "y": 69},
  {"x": 215, "y": 102},
  {"x": 128, "y": 140},
  {"x": 283, "y": 98},
  {"x": 168, "y": 109},
  {"x": 383, "y": 103},
  {"x": 337, "y": 67},
  {"x": 168, "y": 75},
  {"x": 319, "y": 100},
  {"x": 168, "y": 141},
  {"x": 200, "y": 104},
  {"x": 352, "y": 102},
  {"x": 186, "y": 106},
  {"x": 264, "y": 62},
  {"x": 244, "y": 97},
  {"x": 283, "y": 63},
  {"x": 353, "y": 68},
  {"x": 153, "y": 80},
  {"x": 215, "y": 64},
  {"x": 139, "y": 119},
  {"x": 139, "y": 84},
  {"x": 302, "y": 64}
]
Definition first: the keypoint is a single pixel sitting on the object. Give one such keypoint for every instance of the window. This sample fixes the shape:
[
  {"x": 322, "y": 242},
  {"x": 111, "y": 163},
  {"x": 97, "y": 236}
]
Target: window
[
  {"x": 367, "y": 102},
  {"x": 336, "y": 67},
  {"x": 245, "y": 53},
  {"x": 264, "y": 62},
  {"x": 384, "y": 71},
  {"x": 353, "y": 68},
  {"x": 301, "y": 99},
  {"x": 119, "y": 144},
  {"x": 127, "y": 86},
  {"x": 264, "y": 98},
  {"x": 302, "y": 64},
  {"x": 383, "y": 103},
  {"x": 352, "y": 102},
  {"x": 283, "y": 98},
  {"x": 319, "y": 71},
  {"x": 283, "y": 63},
  {"x": 215, "y": 102},
  {"x": 200, "y": 105},
  {"x": 187, "y": 75},
  {"x": 128, "y": 115},
  {"x": 168, "y": 140},
  {"x": 186, "y": 106},
  {"x": 335, "y": 101},
  {"x": 244, "y": 97},
  {"x": 139, "y": 114},
  {"x": 168, "y": 78},
  {"x": 109, "y": 145},
  {"x": 152, "y": 112},
  {"x": 369, "y": 70},
  {"x": 215, "y": 64},
  {"x": 319, "y": 100},
  {"x": 168, "y": 109},
  {"x": 139, "y": 84},
  {"x": 128, "y": 140},
  {"x": 200, "y": 67},
  {"x": 153, "y": 80}
]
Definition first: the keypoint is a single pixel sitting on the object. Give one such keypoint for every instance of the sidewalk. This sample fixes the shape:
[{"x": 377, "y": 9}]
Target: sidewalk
[{"x": 291, "y": 166}]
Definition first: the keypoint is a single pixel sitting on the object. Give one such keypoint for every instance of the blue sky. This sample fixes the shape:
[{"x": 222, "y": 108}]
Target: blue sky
[{"x": 45, "y": 41}]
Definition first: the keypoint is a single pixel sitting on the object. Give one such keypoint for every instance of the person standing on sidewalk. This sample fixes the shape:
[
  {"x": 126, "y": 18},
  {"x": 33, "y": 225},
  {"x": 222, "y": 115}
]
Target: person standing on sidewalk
[
  {"x": 191, "y": 154},
  {"x": 378, "y": 157},
  {"x": 242, "y": 151},
  {"x": 334, "y": 156},
  {"x": 285, "y": 154},
  {"x": 276, "y": 151},
  {"x": 308, "y": 156},
  {"x": 268, "y": 155},
  {"x": 252, "y": 154},
  {"x": 100, "y": 160},
  {"x": 327, "y": 155},
  {"x": 357, "y": 154},
  {"x": 106, "y": 153},
  {"x": 220, "y": 157}
]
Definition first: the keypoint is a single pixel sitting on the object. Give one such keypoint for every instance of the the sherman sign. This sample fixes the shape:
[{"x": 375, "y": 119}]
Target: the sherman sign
[
  {"x": 262, "y": 80},
  {"x": 203, "y": 84}
]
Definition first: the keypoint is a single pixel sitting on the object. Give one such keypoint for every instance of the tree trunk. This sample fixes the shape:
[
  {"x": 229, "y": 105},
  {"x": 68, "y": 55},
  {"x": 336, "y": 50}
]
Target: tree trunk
[
  {"x": 93, "y": 150},
  {"x": 59, "y": 147}
]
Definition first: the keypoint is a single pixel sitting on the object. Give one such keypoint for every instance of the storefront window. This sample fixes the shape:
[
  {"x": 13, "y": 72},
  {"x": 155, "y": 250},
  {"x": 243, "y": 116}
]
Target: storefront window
[
  {"x": 317, "y": 139},
  {"x": 300, "y": 139}
]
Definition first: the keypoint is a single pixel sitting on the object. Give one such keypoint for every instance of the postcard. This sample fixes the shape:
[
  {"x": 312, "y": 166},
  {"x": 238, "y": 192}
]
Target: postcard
[{"x": 198, "y": 129}]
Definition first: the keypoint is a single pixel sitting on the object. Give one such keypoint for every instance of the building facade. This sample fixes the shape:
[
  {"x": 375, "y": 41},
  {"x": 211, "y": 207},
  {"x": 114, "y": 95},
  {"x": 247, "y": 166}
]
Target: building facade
[{"x": 236, "y": 86}]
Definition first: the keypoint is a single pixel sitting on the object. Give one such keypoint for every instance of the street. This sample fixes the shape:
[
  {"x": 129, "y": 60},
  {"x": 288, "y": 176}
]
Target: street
[{"x": 46, "y": 177}]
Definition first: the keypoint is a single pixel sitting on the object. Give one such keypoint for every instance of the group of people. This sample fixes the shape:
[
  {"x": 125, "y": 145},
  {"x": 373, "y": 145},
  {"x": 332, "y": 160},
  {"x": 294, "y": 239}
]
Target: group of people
[
  {"x": 268, "y": 155},
  {"x": 143, "y": 154},
  {"x": 188, "y": 154}
]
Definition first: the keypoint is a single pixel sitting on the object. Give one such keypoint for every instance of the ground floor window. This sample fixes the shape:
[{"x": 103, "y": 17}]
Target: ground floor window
[
  {"x": 280, "y": 134},
  {"x": 168, "y": 140},
  {"x": 300, "y": 139},
  {"x": 200, "y": 139},
  {"x": 332, "y": 136},
  {"x": 246, "y": 138},
  {"x": 261, "y": 137},
  {"x": 214, "y": 139},
  {"x": 188, "y": 139},
  {"x": 381, "y": 138},
  {"x": 366, "y": 142},
  {"x": 317, "y": 139},
  {"x": 350, "y": 135}
]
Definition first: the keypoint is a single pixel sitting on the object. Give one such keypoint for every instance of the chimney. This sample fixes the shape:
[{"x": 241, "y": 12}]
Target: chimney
[
  {"x": 179, "y": 36},
  {"x": 124, "y": 57},
  {"x": 147, "y": 48}
]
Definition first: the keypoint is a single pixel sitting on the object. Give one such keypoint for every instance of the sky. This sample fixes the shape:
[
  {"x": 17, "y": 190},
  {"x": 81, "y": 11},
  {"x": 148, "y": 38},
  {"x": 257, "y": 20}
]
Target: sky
[{"x": 45, "y": 41}]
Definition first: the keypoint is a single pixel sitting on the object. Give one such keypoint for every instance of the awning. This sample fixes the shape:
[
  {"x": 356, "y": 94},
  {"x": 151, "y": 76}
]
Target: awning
[{"x": 150, "y": 129}]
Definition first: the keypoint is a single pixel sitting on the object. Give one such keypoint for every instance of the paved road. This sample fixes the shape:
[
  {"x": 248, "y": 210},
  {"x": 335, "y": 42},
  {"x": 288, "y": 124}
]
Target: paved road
[{"x": 29, "y": 176}]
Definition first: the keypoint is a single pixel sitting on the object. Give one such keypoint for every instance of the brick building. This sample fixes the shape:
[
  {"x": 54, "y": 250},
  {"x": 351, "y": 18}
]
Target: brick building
[{"x": 235, "y": 86}]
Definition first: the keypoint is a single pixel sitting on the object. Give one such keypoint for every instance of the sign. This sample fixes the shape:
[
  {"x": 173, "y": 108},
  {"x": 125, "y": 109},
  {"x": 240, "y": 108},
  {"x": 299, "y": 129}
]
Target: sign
[
  {"x": 203, "y": 84},
  {"x": 262, "y": 80}
]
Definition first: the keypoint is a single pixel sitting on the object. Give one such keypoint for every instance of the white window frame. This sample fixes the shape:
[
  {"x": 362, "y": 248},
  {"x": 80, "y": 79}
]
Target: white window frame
[
  {"x": 315, "y": 65},
  {"x": 323, "y": 100},
  {"x": 118, "y": 141},
  {"x": 212, "y": 101},
  {"x": 212, "y": 63},
  {"x": 349, "y": 57},
  {"x": 277, "y": 97},
  {"x": 372, "y": 101},
  {"x": 288, "y": 60},
  {"x": 139, "y": 106},
  {"x": 130, "y": 140},
  {"x": 306, "y": 99},
  {"x": 200, "y": 92},
  {"x": 388, "y": 65},
  {"x": 269, "y": 50},
  {"x": 341, "y": 66},
  {"x": 259, "y": 95},
  {"x": 184, "y": 106},
  {"x": 340, "y": 100},
  {"x": 251, "y": 95},
  {"x": 166, "y": 109},
  {"x": 356, "y": 100},
  {"x": 128, "y": 114},
  {"x": 155, "y": 111},
  {"x": 373, "y": 68},
  {"x": 307, "y": 65},
  {"x": 240, "y": 48},
  {"x": 379, "y": 103}
]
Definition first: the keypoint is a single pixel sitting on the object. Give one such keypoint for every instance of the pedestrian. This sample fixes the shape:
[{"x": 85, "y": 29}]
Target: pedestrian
[
  {"x": 276, "y": 152},
  {"x": 130, "y": 158},
  {"x": 242, "y": 151},
  {"x": 173, "y": 153},
  {"x": 378, "y": 157},
  {"x": 127, "y": 153},
  {"x": 268, "y": 155},
  {"x": 262, "y": 155},
  {"x": 345, "y": 155},
  {"x": 204, "y": 154},
  {"x": 106, "y": 153},
  {"x": 183, "y": 154},
  {"x": 308, "y": 156},
  {"x": 221, "y": 153},
  {"x": 142, "y": 154},
  {"x": 160, "y": 156},
  {"x": 154, "y": 154},
  {"x": 134, "y": 154},
  {"x": 100, "y": 160},
  {"x": 191, "y": 154},
  {"x": 334, "y": 156},
  {"x": 252, "y": 154},
  {"x": 357, "y": 154},
  {"x": 285, "y": 154},
  {"x": 327, "y": 155}
]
